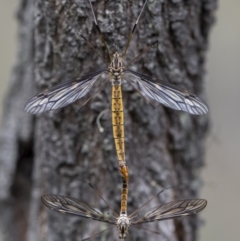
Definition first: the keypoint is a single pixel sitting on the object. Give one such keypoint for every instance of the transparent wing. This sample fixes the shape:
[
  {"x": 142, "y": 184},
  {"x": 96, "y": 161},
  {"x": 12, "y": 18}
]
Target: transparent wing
[
  {"x": 173, "y": 210},
  {"x": 63, "y": 94},
  {"x": 74, "y": 206},
  {"x": 167, "y": 94}
]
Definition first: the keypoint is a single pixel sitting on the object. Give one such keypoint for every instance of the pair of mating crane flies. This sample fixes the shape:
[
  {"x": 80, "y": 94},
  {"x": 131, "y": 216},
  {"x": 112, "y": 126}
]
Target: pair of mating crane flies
[{"x": 165, "y": 93}]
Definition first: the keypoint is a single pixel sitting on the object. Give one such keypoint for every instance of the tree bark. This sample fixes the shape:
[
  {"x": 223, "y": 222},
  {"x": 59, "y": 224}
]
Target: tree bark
[{"x": 57, "y": 152}]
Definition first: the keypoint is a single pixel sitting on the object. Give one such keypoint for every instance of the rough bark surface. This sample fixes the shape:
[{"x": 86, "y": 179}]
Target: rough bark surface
[{"x": 57, "y": 152}]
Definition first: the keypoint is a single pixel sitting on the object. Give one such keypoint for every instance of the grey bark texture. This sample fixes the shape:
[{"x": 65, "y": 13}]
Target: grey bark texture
[{"x": 58, "y": 151}]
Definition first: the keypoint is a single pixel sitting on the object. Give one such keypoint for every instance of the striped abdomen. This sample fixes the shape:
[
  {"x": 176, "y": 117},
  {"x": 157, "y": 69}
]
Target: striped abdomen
[
  {"x": 118, "y": 121},
  {"x": 118, "y": 134},
  {"x": 124, "y": 196}
]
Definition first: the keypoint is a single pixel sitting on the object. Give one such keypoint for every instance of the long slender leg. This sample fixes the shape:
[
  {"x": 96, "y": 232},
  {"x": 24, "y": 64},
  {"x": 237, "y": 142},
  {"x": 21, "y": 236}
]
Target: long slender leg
[
  {"x": 99, "y": 31},
  {"x": 144, "y": 97},
  {"x": 96, "y": 234},
  {"x": 90, "y": 45},
  {"x": 143, "y": 52},
  {"x": 133, "y": 30},
  {"x": 77, "y": 31},
  {"x": 132, "y": 214},
  {"x": 97, "y": 192},
  {"x": 147, "y": 229},
  {"x": 97, "y": 91}
]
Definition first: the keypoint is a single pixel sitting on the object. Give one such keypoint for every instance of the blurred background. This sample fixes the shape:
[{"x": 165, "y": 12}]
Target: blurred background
[{"x": 221, "y": 174}]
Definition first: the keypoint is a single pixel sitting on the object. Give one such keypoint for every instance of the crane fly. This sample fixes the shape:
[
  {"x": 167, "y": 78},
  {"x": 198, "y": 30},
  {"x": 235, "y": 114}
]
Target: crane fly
[
  {"x": 123, "y": 222},
  {"x": 150, "y": 88}
]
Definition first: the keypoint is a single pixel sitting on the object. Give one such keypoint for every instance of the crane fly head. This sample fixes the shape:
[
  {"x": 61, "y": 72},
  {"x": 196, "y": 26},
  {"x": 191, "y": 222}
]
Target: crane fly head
[
  {"x": 116, "y": 67},
  {"x": 123, "y": 224}
]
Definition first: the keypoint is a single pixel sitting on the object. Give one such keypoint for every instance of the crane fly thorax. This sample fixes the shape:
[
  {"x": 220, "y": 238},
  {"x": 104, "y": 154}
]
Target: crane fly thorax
[
  {"x": 116, "y": 67},
  {"x": 123, "y": 224}
]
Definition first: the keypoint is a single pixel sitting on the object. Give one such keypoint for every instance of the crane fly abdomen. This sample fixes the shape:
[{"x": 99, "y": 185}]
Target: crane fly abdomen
[{"x": 118, "y": 121}]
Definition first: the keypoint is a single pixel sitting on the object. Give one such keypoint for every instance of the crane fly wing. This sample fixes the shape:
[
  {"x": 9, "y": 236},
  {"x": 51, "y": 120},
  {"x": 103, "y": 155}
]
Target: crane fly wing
[
  {"x": 62, "y": 94},
  {"x": 74, "y": 206},
  {"x": 173, "y": 210},
  {"x": 168, "y": 94}
]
